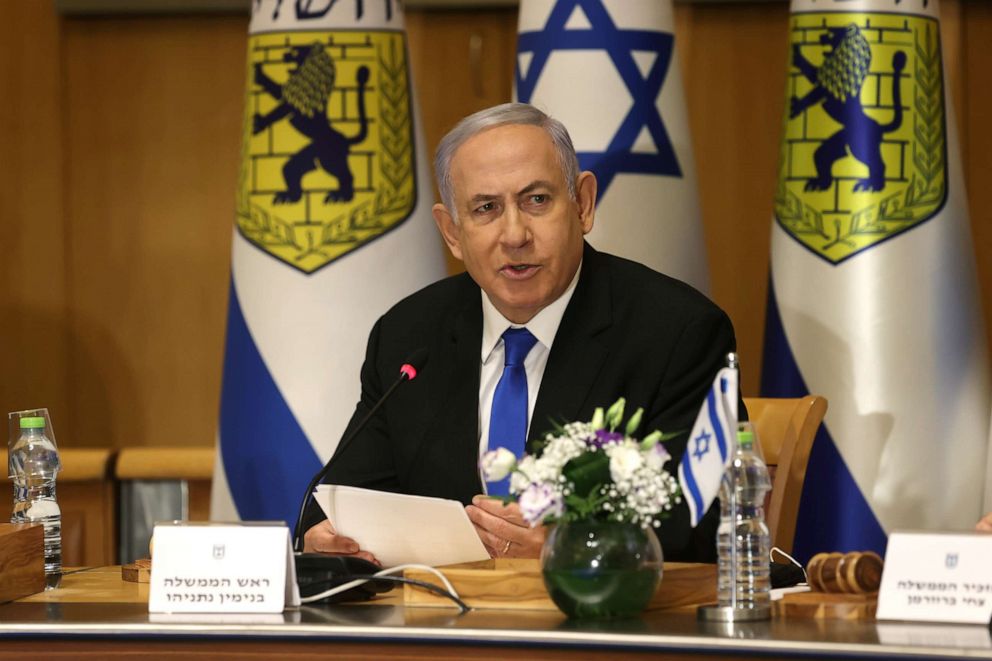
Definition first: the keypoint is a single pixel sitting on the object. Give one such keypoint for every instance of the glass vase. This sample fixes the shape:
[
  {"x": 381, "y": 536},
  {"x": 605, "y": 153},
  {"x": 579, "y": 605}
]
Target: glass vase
[{"x": 601, "y": 569}]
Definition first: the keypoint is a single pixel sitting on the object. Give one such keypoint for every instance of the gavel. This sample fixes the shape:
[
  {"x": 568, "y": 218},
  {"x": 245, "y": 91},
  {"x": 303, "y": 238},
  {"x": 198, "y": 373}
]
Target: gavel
[{"x": 857, "y": 572}]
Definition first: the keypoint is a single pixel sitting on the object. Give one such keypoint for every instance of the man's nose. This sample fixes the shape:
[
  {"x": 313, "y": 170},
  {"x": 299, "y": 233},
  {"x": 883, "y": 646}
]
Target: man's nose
[{"x": 516, "y": 229}]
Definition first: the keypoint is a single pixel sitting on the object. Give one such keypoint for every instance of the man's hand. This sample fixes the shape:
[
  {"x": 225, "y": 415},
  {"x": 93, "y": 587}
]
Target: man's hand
[
  {"x": 985, "y": 523},
  {"x": 322, "y": 538},
  {"x": 503, "y": 530}
]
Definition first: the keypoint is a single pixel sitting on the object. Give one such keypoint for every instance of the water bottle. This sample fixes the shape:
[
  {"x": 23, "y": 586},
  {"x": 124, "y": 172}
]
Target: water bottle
[
  {"x": 742, "y": 538},
  {"x": 33, "y": 463}
]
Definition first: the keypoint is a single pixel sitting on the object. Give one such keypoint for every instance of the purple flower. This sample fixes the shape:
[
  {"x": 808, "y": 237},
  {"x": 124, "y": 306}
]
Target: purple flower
[
  {"x": 538, "y": 502},
  {"x": 603, "y": 436}
]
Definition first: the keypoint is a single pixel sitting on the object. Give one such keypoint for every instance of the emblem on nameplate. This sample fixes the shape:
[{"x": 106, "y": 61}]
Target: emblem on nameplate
[
  {"x": 864, "y": 154},
  {"x": 328, "y": 157}
]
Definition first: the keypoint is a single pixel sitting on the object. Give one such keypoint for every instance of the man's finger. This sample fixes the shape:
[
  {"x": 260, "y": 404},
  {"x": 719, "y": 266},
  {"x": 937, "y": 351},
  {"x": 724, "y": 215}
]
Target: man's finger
[
  {"x": 499, "y": 527},
  {"x": 507, "y": 511}
]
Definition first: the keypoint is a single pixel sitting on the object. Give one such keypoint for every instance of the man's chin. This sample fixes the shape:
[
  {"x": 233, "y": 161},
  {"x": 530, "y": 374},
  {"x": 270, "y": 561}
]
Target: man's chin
[{"x": 517, "y": 309}]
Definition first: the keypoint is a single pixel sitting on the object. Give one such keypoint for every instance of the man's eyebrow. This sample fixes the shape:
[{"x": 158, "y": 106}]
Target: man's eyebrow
[
  {"x": 483, "y": 197},
  {"x": 534, "y": 185}
]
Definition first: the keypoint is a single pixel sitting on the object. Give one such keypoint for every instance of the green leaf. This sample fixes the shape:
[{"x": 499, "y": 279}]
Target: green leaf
[
  {"x": 615, "y": 414},
  {"x": 587, "y": 472},
  {"x": 656, "y": 437},
  {"x": 597, "y": 418},
  {"x": 634, "y": 422}
]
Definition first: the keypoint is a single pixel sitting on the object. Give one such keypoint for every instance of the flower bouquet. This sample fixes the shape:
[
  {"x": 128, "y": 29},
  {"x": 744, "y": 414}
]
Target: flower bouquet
[{"x": 606, "y": 491}]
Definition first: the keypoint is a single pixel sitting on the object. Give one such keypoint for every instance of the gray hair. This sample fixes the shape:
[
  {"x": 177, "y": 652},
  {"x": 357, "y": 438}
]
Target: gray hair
[{"x": 503, "y": 115}]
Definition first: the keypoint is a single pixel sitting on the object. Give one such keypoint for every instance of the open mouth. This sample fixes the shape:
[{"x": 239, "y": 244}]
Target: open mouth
[{"x": 519, "y": 271}]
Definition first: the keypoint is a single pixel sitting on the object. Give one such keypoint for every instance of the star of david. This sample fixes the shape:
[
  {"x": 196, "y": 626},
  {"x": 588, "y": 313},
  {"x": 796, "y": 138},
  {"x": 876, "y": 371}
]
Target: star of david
[
  {"x": 644, "y": 91},
  {"x": 702, "y": 445}
]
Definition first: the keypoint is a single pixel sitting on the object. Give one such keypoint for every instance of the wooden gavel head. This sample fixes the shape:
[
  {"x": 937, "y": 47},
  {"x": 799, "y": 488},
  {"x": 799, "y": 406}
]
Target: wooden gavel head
[{"x": 857, "y": 572}]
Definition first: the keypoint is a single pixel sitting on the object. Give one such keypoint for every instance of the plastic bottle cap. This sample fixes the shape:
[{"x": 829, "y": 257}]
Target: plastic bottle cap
[
  {"x": 33, "y": 423},
  {"x": 745, "y": 437}
]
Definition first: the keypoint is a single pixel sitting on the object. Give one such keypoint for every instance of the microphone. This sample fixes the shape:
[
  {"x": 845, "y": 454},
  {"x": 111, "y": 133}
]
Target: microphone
[{"x": 408, "y": 372}]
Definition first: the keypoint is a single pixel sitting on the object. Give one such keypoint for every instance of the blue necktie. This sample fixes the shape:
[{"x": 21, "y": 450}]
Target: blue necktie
[{"x": 508, "y": 417}]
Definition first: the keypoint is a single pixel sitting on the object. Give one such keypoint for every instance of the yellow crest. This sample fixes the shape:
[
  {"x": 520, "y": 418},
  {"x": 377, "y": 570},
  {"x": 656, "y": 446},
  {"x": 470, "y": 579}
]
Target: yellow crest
[
  {"x": 864, "y": 153},
  {"x": 328, "y": 161}
]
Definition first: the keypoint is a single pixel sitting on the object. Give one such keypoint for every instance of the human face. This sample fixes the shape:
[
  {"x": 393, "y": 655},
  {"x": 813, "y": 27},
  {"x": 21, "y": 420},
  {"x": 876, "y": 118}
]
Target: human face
[{"x": 514, "y": 224}]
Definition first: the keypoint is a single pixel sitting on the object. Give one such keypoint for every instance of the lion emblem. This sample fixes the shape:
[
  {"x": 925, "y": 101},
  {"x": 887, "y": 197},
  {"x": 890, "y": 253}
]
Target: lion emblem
[
  {"x": 303, "y": 101},
  {"x": 837, "y": 84}
]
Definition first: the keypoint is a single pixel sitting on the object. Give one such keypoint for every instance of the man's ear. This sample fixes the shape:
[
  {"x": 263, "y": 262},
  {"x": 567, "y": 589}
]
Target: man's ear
[
  {"x": 448, "y": 228},
  {"x": 585, "y": 198}
]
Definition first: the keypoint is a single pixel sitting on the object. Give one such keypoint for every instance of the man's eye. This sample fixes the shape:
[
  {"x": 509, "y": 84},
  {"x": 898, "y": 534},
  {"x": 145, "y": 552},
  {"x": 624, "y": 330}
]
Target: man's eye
[
  {"x": 485, "y": 208},
  {"x": 539, "y": 198}
]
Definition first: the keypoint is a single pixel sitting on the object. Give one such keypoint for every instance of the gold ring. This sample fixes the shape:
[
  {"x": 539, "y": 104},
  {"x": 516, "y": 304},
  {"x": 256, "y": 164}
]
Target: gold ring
[{"x": 506, "y": 549}]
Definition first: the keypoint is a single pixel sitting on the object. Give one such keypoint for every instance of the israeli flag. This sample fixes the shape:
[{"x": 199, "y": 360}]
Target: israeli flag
[
  {"x": 711, "y": 445},
  {"x": 333, "y": 226},
  {"x": 609, "y": 70},
  {"x": 873, "y": 301}
]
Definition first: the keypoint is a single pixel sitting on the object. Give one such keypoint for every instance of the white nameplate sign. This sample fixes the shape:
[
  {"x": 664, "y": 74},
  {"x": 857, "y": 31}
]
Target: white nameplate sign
[
  {"x": 222, "y": 568},
  {"x": 937, "y": 577}
]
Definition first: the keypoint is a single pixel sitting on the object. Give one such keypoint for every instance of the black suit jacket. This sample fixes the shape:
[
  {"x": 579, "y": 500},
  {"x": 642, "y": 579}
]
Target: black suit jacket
[{"x": 628, "y": 331}]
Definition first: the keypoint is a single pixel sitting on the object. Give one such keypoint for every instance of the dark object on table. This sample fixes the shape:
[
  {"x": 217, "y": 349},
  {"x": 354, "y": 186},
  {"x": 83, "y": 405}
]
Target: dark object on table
[
  {"x": 786, "y": 575},
  {"x": 316, "y": 573}
]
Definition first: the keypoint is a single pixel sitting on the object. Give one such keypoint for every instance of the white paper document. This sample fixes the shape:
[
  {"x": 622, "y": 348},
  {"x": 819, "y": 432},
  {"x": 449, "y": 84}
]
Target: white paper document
[{"x": 399, "y": 529}]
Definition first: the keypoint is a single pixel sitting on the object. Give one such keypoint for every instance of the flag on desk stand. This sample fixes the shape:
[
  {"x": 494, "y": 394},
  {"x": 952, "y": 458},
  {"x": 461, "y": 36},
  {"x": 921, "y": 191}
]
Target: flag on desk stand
[
  {"x": 333, "y": 226},
  {"x": 873, "y": 299},
  {"x": 608, "y": 70},
  {"x": 711, "y": 445}
]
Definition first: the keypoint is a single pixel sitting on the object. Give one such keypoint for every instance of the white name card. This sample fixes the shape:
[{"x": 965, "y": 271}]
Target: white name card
[
  {"x": 937, "y": 577},
  {"x": 222, "y": 568}
]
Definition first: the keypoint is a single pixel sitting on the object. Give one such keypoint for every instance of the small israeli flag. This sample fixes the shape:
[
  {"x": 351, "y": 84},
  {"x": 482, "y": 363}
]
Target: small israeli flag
[{"x": 710, "y": 445}]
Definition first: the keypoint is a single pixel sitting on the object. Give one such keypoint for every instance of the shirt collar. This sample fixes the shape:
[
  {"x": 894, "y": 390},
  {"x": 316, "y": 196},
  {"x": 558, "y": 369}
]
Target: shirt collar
[{"x": 544, "y": 325}]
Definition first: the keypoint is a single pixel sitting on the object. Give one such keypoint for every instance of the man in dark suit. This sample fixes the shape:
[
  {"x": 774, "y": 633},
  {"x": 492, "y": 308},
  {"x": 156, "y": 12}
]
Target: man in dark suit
[{"x": 515, "y": 210}]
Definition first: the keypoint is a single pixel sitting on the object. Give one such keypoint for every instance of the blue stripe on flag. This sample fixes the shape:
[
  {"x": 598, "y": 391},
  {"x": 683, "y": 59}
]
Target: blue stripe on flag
[
  {"x": 833, "y": 513},
  {"x": 715, "y": 422},
  {"x": 690, "y": 482},
  {"x": 267, "y": 457}
]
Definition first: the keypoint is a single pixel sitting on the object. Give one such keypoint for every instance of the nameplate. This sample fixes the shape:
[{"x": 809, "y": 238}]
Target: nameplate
[
  {"x": 937, "y": 577},
  {"x": 222, "y": 568}
]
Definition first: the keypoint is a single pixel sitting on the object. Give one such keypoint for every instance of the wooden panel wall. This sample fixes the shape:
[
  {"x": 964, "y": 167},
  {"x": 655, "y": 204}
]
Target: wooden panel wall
[
  {"x": 34, "y": 325},
  {"x": 119, "y": 140},
  {"x": 153, "y": 127}
]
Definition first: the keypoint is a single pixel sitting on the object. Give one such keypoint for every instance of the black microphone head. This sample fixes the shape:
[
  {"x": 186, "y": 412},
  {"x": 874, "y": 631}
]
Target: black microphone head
[{"x": 414, "y": 363}]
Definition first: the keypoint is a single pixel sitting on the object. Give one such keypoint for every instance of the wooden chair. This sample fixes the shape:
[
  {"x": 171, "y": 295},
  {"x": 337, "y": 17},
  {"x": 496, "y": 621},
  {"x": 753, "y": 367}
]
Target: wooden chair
[{"x": 786, "y": 429}]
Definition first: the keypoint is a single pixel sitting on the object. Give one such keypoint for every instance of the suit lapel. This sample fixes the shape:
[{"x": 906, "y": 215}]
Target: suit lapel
[
  {"x": 579, "y": 351},
  {"x": 456, "y": 422}
]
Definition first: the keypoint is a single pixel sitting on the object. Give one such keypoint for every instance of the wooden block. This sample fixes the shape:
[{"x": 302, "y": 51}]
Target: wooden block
[
  {"x": 827, "y": 606},
  {"x": 22, "y": 560},
  {"x": 513, "y": 584},
  {"x": 139, "y": 571}
]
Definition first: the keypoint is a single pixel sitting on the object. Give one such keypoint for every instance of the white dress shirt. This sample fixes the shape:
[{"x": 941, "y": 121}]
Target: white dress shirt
[{"x": 544, "y": 327}]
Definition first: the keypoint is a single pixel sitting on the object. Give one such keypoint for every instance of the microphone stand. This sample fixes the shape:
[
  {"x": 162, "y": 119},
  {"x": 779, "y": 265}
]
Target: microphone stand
[{"x": 408, "y": 372}]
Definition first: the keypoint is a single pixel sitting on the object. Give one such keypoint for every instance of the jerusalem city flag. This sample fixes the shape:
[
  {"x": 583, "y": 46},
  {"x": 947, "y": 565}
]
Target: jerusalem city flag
[
  {"x": 332, "y": 227},
  {"x": 873, "y": 300},
  {"x": 609, "y": 71}
]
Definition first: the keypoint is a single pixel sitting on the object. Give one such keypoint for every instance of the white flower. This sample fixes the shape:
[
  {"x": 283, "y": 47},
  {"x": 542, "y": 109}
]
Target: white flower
[
  {"x": 657, "y": 456},
  {"x": 625, "y": 460},
  {"x": 540, "y": 501},
  {"x": 497, "y": 464}
]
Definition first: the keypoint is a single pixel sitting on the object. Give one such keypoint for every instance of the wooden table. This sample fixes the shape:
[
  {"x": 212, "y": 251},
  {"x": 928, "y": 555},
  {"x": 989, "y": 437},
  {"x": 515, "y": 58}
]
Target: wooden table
[{"x": 95, "y": 615}]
